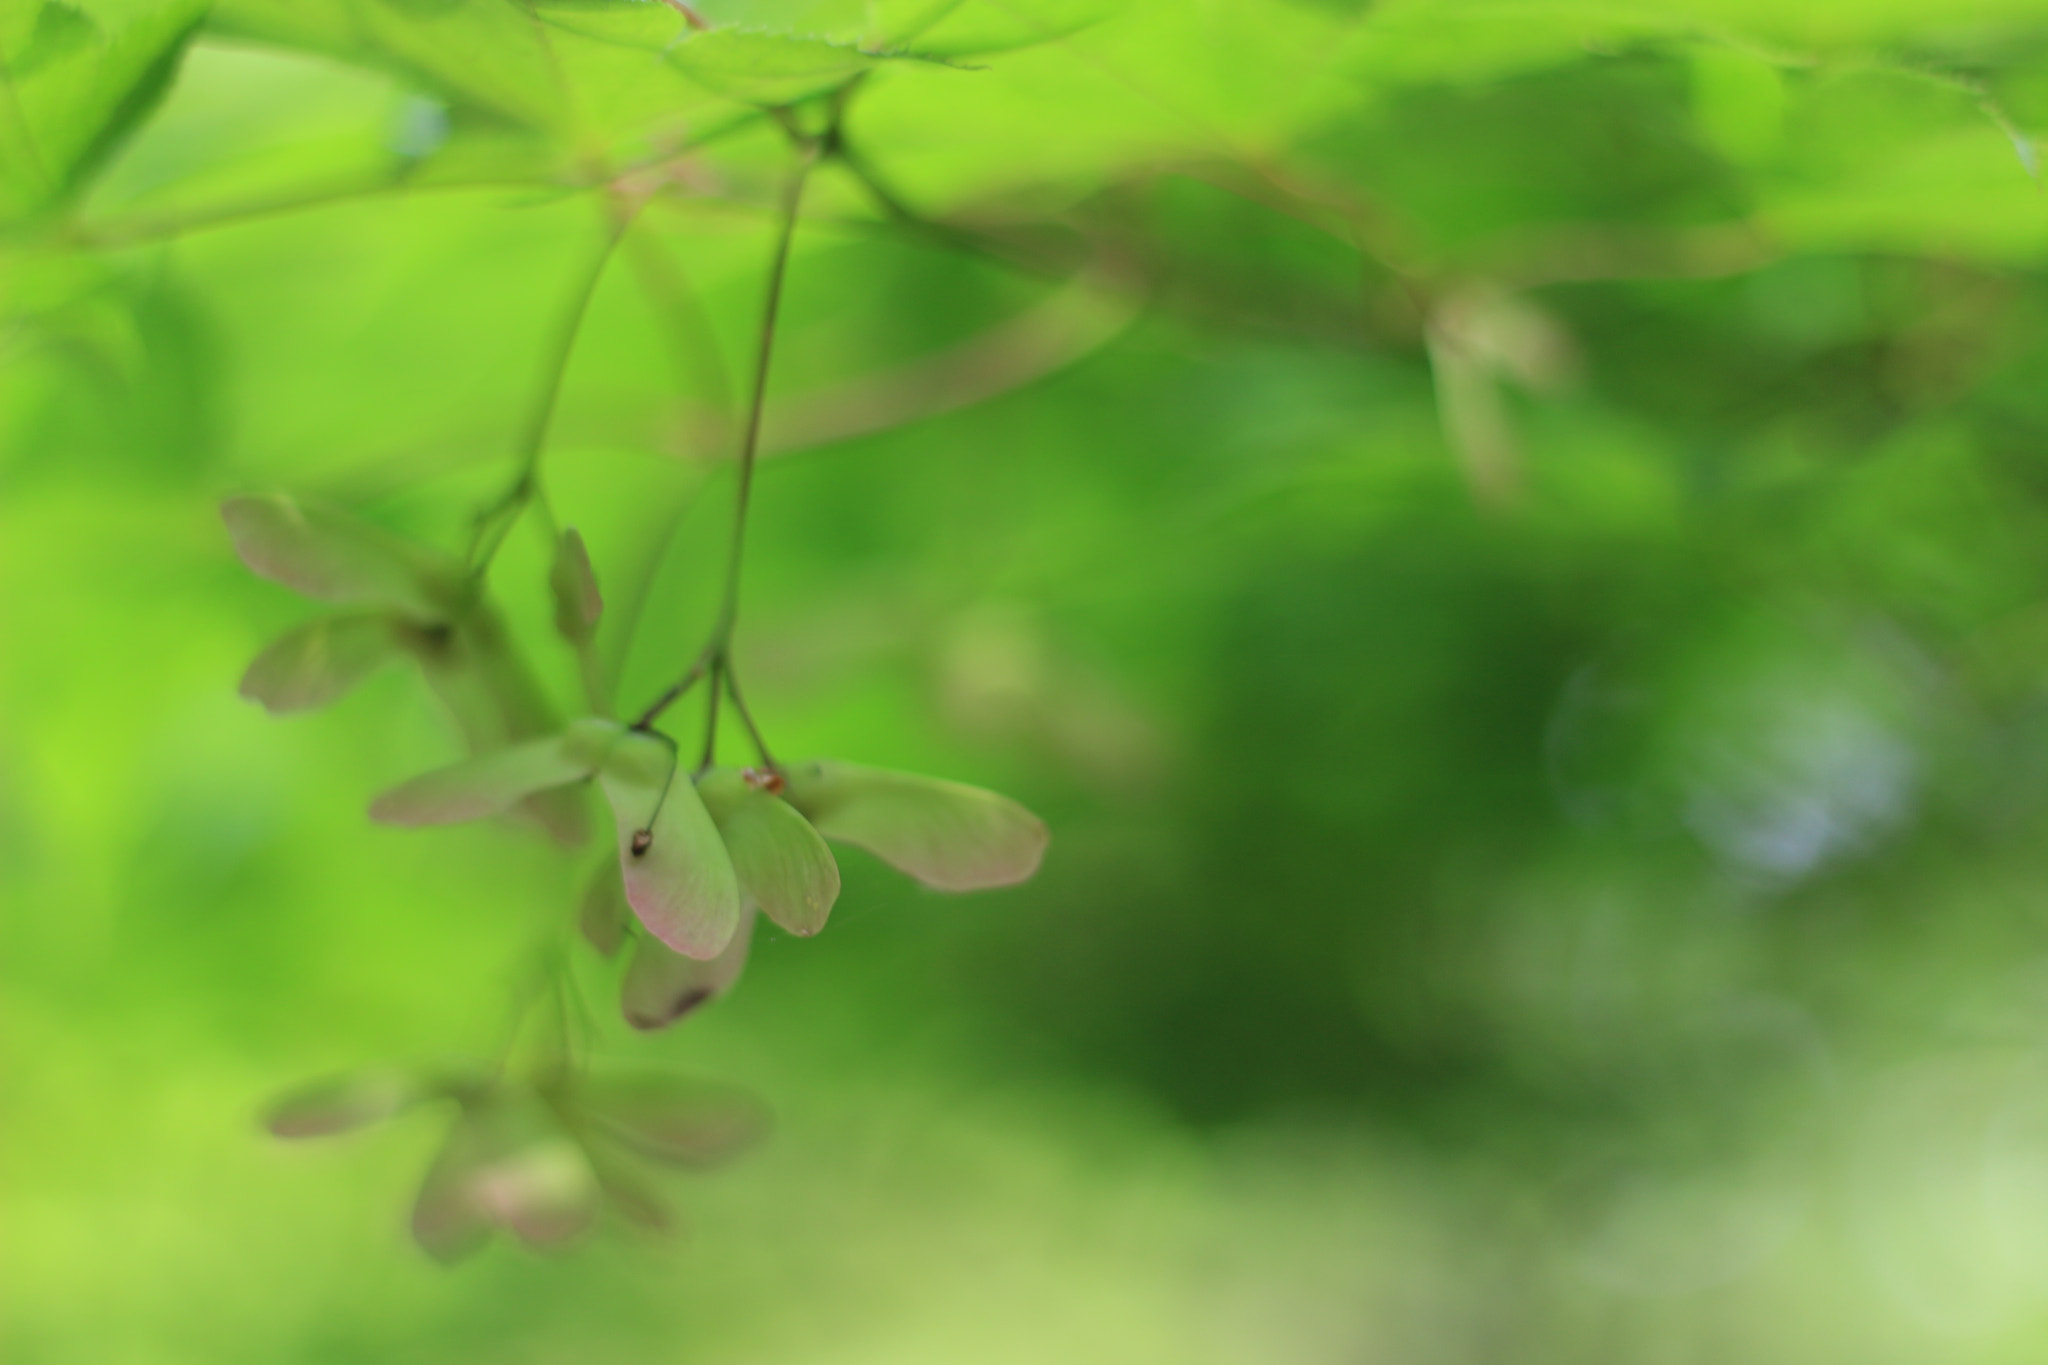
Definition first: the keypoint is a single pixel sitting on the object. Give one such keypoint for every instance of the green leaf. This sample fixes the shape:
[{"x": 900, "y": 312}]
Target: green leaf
[
  {"x": 679, "y": 879},
  {"x": 493, "y": 783},
  {"x": 949, "y": 836},
  {"x": 330, "y": 556},
  {"x": 976, "y": 29},
  {"x": 602, "y": 915},
  {"x": 646, "y": 24},
  {"x": 76, "y": 88},
  {"x": 782, "y": 863},
  {"x": 320, "y": 662},
  {"x": 482, "y": 56},
  {"x": 573, "y": 80},
  {"x": 767, "y": 68},
  {"x": 662, "y": 986},
  {"x": 341, "y": 1103},
  {"x": 578, "y": 604},
  {"x": 671, "y": 1118}
]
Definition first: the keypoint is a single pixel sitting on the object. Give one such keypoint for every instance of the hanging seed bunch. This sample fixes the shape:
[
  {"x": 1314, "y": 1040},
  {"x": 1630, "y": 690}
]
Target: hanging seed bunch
[
  {"x": 541, "y": 1157},
  {"x": 699, "y": 850}
]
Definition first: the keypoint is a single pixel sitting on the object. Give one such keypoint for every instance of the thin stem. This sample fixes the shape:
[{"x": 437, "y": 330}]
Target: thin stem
[
  {"x": 643, "y": 837},
  {"x": 495, "y": 521},
  {"x": 757, "y": 402},
  {"x": 139, "y": 230},
  {"x": 714, "y": 659},
  {"x": 720, "y": 672},
  {"x": 675, "y": 690},
  {"x": 739, "y": 705}
]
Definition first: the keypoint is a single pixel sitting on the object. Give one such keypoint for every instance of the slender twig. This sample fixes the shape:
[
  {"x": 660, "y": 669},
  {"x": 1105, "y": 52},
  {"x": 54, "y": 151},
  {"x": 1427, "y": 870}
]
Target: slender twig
[
  {"x": 715, "y": 658},
  {"x": 720, "y": 671},
  {"x": 739, "y": 706},
  {"x": 412, "y": 180},
  {"x": 674, "y": 692},
  {"x": 758, "y": 400},
  {"x": 142, "y": 230}
]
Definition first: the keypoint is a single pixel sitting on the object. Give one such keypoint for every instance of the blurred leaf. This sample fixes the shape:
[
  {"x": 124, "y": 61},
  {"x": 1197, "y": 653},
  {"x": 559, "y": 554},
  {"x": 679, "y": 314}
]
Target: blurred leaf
[
  {"x": 662, "y": 986},
  {"x": 949, "y": 836},
  {"x": 782, "y": 864},
  {"x": 679, "y": 878},
  {"x": 1738, "y": 101},
  {"x": 319, "y": 662},
  {"x": 767, "y": 68},
  {"x": 76, "y": 87},
  {"x": 483, "y": 56}
]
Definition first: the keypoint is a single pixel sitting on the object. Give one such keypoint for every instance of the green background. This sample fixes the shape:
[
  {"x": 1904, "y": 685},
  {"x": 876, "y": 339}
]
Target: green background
[{"x": 1507, "y": 540}]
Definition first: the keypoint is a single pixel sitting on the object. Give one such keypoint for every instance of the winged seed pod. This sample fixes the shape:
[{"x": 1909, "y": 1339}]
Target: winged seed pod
[
  {"x": 330, "y": 556},
  {"x": 410, "y": 599},
  {"x": 320, "y": 662},
  {"x": 782, "y": 864},
  {"x": 602, "y": 915},
  {"x": 507, "y": 1163},
  {"x": 493, "y": 783},
  {"x": 340, "y": 1104},
  {"x": 694, "y": 855},
  {"x": 661, "y": 986},
  {"x": 536, "y": 1158},
  {"x": 947, "y": 835},
  {"x": 669, "y": 1118},
  {"x": 678, "y": 877}
]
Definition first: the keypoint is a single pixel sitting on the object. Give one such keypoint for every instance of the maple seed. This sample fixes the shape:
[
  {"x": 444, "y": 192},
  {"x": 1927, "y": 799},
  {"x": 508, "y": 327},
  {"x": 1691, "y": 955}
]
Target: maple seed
[
  {"x": 643, "y": 839},
  {"x": 763, "y": 779}
]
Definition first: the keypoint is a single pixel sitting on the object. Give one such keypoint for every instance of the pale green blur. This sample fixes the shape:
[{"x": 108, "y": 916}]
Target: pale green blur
[{"x": 1508, "y": 542}]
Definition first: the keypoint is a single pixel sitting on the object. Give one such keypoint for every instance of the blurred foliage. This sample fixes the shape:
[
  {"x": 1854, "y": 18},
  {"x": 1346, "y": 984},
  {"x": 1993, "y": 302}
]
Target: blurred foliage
[{"x": 1507, "y": 539}]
